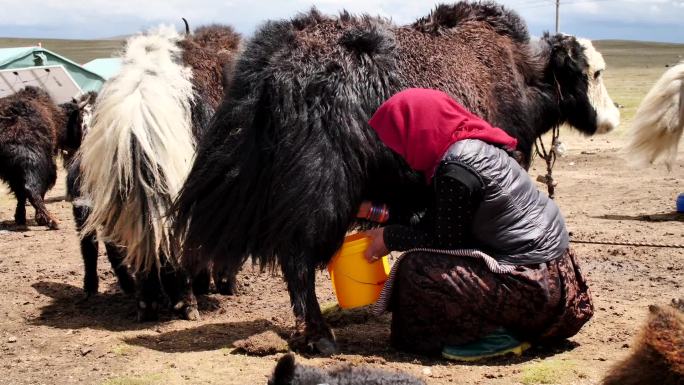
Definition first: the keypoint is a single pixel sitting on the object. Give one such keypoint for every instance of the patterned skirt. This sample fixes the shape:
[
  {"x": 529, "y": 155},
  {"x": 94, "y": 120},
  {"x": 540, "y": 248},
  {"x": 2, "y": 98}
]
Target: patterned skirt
[{"x": 439, "y": 300}]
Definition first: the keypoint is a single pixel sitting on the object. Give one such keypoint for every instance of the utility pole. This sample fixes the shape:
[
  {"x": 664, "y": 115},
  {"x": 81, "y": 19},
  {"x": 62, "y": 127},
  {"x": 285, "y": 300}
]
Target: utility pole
[{"x": 557, "y": 16}]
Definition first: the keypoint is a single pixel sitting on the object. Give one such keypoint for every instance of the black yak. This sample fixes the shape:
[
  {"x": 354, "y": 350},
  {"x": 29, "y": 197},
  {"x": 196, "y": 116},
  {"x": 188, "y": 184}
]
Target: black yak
[
  {"x": 289, "y": 155},
  {"x": 140, "y": 147},
  {"x": 658, "y": 357},
  {"x": 33, "y": 131}
]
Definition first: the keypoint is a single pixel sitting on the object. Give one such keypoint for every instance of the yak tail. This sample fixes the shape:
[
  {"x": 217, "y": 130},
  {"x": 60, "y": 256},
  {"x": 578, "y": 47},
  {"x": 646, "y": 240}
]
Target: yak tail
[
  {"x": 659, "y": 120},
  {"x": 140, "y": 148}
]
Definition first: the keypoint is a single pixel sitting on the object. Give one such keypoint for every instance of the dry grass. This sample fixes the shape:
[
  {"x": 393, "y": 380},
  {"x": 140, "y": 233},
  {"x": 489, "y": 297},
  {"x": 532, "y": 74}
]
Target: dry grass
[
  {"x": 80, "y": 51},
  {"x": 633, "y": 68}
]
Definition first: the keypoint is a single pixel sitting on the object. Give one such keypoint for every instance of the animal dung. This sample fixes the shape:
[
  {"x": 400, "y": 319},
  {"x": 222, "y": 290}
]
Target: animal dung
[{"x": 262, "y": 344}]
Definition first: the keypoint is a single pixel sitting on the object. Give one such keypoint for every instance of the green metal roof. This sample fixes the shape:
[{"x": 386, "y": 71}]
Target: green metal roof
[
  {"x": 22, "y": 57},
  {"x": 105, "y": 67},
  {"x": 8, "y": 55}
]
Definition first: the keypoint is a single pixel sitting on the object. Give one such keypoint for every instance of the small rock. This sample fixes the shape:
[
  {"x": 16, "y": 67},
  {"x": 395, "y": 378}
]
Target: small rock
[
  {"x": 427, "y": 372},
  {"x": 12, "y": 339},
  {"x": 85, "y": 351},
  {"x": 625, "y": 346}
]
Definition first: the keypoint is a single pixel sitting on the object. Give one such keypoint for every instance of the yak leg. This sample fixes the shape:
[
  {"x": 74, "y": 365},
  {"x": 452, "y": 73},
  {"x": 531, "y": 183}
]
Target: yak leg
[
  {"x": 116, "y": 257},
  {"x": 226, "y": 278},
  {"x": 178, "y": 287},
  {"x": 202, "y": 281},
  {"x": 35, "y": 196},
  {"x": 89, "y": 250},
  {"x": 311, "y": 330},
  {"x": 20, "y": 213},
  {"x": 148, "y": 293}
]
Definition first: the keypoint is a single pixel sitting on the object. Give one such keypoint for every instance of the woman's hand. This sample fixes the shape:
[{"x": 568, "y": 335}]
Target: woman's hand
[
  {"x": 364, "y": 209},
  {"x": 377, "y": 248}
]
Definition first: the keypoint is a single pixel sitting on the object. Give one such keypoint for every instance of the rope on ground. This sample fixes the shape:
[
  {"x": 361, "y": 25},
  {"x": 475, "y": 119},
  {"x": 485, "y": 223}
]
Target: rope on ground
[
  {"x": 550, "y": 159},
  {"x": 637, "y": 244}
]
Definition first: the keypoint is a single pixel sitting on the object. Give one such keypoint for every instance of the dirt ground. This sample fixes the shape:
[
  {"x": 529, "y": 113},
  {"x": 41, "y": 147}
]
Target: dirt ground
[{"x": 50, "y": 334}]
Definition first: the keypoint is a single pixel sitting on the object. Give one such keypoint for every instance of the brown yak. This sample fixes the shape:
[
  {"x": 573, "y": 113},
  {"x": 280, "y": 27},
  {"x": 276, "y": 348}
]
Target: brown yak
[
  {"x": 33, "y": 130},
  {"x": 658, "y": 357}
]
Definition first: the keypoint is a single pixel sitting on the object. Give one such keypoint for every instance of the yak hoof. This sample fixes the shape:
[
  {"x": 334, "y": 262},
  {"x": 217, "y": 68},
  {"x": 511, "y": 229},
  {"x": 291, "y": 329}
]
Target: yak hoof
[
  {"x": 90, "y": 289},
  {"x": 187, "y": 311},
  {"x": 324, "y": 346},
  {"x": 53, "y": 224},
  {"x": 192, "y": 314},
  {"x": 46, "y": 220},
  {"x": 314, "y": 341},
  {"x": 226, "y": 286},
  {"x": 148, "y": 311}
]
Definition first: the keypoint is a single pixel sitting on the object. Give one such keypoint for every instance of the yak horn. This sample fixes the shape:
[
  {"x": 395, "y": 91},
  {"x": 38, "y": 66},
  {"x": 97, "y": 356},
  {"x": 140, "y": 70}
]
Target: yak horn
[
  {"x": 83, "y": 103},
  {"x": 187, "y": 27}
]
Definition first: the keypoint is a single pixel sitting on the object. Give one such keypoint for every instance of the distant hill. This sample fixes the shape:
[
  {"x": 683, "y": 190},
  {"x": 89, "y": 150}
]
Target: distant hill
[
  {"x": 618, "y": 53},
  {"x": 80, "y": 51},
  {"x": 641, "y": 54}
]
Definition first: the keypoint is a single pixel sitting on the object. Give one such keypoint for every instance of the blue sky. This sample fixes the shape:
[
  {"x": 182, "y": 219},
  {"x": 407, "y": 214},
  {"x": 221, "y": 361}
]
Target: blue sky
[{"x": 652, "y": 20}]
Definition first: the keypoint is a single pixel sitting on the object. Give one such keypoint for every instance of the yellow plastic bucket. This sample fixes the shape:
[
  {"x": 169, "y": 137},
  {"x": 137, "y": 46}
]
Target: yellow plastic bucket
[{"x": 355, "y": 281}]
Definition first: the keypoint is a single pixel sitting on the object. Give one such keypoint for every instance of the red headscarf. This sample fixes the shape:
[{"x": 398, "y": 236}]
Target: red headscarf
[{"x": 420, "y": 125}]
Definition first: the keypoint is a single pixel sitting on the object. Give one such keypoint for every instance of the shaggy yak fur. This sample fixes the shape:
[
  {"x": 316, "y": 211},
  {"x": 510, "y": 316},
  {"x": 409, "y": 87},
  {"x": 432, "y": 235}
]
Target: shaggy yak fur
[
  {"x": 145, "y": 125},
  {"x": 658, "y": 357},
  {"x": 289, "y": 155},
  {"x": 33, "y": 130},
  {"x": 658, "y": 125},
  {"x": 287, "y": 372}
]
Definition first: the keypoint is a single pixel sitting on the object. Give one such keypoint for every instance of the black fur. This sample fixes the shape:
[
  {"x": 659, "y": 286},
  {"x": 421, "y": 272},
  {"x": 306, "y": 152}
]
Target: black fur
[
  {"x": 502, "y": 20},
  {"x": 289, "y": 155},
  {"x": 89, "y": 244},
  {"x": 287, "y": 372}
]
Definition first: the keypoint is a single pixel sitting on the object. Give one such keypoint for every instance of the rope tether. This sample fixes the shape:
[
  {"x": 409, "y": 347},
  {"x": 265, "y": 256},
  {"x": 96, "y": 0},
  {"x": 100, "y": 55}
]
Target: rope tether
[{"x": 638, "y": 244}]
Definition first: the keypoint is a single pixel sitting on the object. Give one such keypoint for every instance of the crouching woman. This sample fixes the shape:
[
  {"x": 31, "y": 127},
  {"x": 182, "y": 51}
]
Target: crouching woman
[{"x": 488, "y": 270}]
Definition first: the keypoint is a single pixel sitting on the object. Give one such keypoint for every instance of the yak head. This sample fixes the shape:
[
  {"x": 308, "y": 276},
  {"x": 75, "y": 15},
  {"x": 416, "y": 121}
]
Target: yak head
[
  {"x": 78, "y": 115},
  {"x": 575, "y": 73}
]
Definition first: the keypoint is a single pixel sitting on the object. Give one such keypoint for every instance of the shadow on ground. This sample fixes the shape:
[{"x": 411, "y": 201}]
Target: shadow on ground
[
  {"x": 109, "y": 310},
  {"x": 12, "y": 226},
  {"x": 204, "y": 337},
  {"x": 373, "y": 339},
  {"x": 660, "y": 217}
]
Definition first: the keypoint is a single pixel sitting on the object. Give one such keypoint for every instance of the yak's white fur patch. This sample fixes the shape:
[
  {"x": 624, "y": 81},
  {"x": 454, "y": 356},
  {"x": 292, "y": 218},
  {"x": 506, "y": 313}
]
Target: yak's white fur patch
[
  {"x": 140, "y": 147},
  {"x": 607, "y": 114},
  {"x": 659, "y": 121}
]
